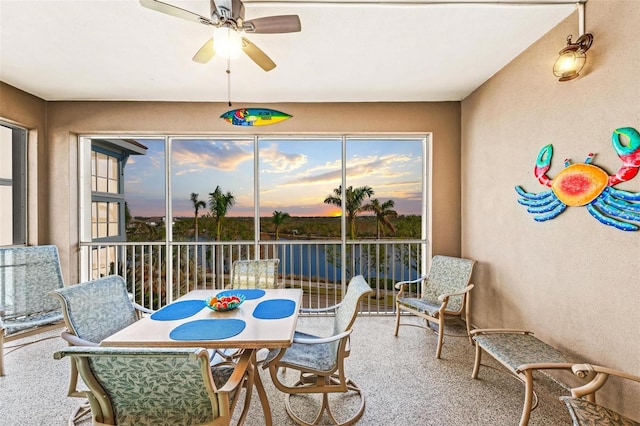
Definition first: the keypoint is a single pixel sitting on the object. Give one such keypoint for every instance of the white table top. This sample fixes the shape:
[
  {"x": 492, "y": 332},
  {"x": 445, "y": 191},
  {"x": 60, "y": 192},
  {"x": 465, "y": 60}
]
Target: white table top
[{"x": 258, "y": 333}]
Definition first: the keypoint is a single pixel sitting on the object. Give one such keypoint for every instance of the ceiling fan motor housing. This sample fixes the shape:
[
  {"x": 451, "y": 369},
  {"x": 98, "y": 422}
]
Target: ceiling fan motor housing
[{"x": 228, "y": 10}]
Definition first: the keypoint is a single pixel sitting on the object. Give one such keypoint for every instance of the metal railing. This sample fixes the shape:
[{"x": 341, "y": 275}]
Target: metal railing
[{"x": 157, "y": 273}]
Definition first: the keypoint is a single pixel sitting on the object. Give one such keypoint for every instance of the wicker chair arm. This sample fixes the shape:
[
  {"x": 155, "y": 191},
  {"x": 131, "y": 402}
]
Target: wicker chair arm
[
  {"x": 544, "y": 366},
  {"x": 315, "y": 310},
  {"x": 401, "y": 284},
  {"x": 75, "y": 340},
  {"x": 142, "y": 308},
  {"x": 600, "y": 378},
  {"x": 319, "y": 340},
  {"x": 498, "y": 330}
]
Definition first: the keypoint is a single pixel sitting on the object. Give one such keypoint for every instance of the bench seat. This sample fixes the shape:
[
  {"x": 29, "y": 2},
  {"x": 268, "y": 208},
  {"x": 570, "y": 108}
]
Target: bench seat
[{"x": 521, "y": 353}]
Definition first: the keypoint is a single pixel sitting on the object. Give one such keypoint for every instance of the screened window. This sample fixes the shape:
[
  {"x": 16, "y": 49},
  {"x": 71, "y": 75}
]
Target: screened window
[
  {"x": 259, "y": 189},
  {"x": 13, "y": 185}
]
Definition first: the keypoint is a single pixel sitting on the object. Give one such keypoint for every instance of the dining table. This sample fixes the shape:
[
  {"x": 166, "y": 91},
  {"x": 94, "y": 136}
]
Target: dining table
[{"x": 265, "y": 319}]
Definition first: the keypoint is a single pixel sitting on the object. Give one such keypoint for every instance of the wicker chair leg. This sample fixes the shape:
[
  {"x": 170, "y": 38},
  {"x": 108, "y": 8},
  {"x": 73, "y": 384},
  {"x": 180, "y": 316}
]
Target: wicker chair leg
[
  {"x": 326, "y": 407},
  {"x": 79, "y": 413}
]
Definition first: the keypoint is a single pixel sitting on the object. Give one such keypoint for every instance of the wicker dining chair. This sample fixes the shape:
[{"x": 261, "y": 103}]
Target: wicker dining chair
[
  {"x": 93, "y": 311},
  {"x": 444, "y": 292},
  {"x": 158, "y": 386},
  {"x": 320, "y": 360}
]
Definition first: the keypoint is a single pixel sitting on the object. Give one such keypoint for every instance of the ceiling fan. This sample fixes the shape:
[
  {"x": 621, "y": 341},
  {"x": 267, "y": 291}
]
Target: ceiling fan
[{"x": 229, "y": 15}]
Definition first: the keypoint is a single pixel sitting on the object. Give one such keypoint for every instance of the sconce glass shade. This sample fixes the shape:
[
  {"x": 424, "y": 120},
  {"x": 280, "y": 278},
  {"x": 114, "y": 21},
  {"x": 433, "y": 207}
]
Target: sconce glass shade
[
  {"x": 227, "y": 42},
  {"x": 572, "y": 58},
  {"x": 569, "y": 64}
]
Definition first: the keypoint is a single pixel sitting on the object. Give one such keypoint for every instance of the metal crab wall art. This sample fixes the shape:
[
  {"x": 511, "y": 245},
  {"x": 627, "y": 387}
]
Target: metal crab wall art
[{"x": 590, "y": 186}]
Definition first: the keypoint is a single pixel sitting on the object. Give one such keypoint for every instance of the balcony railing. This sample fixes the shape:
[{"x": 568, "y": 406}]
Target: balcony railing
[{"x": 159, "y": 272}]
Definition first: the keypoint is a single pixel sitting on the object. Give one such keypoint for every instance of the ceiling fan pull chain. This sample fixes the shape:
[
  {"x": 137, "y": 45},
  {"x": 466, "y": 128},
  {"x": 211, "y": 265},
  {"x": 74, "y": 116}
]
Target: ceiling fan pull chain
[{"x": 229, "y": 80}]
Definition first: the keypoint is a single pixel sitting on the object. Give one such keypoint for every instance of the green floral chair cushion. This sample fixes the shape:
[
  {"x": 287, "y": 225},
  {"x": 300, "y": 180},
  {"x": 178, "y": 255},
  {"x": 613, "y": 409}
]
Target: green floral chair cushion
[
  {"x": 97, "y": 309},
  {"x": 447, "y": 275},
  {"x": 516, "y": 349},
  {"x": 585, "y": 413}
]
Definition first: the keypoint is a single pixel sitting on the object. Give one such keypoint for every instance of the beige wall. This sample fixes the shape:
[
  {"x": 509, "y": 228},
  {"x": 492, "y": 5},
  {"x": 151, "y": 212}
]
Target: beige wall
[
  {"x": 572, "y": 280},
  {"x": 66, "y": 120}
]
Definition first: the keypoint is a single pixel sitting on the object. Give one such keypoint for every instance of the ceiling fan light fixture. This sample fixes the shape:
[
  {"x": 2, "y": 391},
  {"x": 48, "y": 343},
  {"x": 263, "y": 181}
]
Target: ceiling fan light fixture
[{"x": 227, "y": 42}]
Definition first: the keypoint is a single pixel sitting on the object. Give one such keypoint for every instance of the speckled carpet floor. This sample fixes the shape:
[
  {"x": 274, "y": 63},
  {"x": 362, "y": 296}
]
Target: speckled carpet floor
[{"x": 402, "y": 381}]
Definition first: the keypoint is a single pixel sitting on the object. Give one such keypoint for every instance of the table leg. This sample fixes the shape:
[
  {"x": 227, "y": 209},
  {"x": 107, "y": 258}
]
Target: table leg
[{"x": 266, "y": 408}]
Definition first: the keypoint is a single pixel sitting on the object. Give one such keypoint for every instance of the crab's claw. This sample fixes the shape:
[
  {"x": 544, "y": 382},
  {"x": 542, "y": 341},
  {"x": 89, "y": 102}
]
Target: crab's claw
[
  {"x": 629, "y": 154},
  {"x": 543, "y": 163}
]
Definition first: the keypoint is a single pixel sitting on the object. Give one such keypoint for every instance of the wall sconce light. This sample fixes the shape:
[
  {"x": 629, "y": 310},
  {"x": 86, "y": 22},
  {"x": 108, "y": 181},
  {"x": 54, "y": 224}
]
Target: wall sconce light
[{"x": 573, "y": 57}]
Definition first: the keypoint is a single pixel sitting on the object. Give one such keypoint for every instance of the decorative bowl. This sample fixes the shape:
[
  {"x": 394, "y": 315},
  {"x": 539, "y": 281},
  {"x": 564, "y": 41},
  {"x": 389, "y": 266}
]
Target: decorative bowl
[{"x": 224, "y": 303}]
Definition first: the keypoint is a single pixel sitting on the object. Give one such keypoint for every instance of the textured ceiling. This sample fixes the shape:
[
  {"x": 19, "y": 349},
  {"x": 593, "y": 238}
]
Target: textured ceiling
[{"x": 346, "y": 52}]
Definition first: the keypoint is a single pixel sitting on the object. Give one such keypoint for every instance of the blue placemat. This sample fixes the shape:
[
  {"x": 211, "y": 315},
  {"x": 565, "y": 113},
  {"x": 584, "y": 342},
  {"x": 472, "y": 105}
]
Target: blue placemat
[
  {"x": 274, "y": 309},
  {"x": 178, "y": 310},
  {"x": 249, "y": 294},
  {"x": 208, "y": 329}
]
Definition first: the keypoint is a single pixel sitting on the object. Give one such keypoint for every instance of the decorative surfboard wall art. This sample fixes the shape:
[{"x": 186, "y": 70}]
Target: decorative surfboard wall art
[
  {"x": 584, "y": 184},
  {"x": 254, "y": 116}
]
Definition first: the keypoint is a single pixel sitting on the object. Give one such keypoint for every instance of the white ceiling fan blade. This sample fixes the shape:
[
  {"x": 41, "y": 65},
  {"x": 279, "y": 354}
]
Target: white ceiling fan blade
[
  {"x": 175, "y": 11},
  {"x": 205, "y": 53},
  {"x": 257, "y": 55}
]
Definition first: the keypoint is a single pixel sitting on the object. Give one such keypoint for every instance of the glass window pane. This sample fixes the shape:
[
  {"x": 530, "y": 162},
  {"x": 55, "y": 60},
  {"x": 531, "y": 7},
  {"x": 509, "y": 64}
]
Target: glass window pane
[
  {"x": 385, "y": 181},
  {"x": 6, "y": 215},
  {"x": 102, "y": 165},
  {"x": 113, "y": 212},
  {"x": 113, "y": 229},
  {"x": 296, "y": 177},
  {"x": 101, "y": 212},
  {"x": 215, "y": 178},
  {"x": 6, "y": 148},
  {"x": 113, "y": 186},
  {"x": 101, "y": 184},
  {"x": 102, "y": 230},
  {"x": 144, "y": 191}
]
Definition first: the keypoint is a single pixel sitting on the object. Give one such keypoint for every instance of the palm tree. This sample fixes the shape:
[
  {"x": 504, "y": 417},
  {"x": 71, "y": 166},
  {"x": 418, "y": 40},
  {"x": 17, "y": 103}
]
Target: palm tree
[
  {"x": 219, "y": 204},
  {"x": 278, "y": 219},
  {"x": 355, "y": 198},
  {"x": 383, "y": 212},
  {"x": 197, "y": 205}
]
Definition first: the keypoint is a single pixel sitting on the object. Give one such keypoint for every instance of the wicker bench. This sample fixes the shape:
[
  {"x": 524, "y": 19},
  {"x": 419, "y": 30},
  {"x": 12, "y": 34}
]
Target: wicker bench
[
  {"x": 27, "y": 275},
  {"x": 522, "y": 354}
]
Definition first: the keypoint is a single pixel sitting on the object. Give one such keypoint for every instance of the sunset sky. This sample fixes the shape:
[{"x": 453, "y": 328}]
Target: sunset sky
[{"x": 296, "y": 175}]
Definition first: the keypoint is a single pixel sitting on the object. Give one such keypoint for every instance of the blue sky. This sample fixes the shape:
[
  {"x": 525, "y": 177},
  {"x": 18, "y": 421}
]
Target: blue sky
[{"x": 296, "y": 175}]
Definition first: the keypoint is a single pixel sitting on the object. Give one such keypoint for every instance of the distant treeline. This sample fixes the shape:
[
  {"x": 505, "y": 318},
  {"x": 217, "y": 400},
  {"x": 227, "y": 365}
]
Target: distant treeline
[{"x": 242, "y": 228}]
